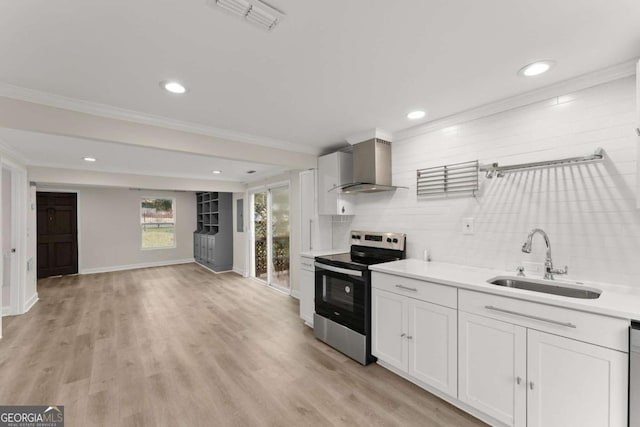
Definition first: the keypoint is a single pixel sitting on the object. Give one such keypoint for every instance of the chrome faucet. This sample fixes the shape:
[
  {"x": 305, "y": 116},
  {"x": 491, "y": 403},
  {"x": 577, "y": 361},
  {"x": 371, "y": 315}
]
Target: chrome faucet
[{"x": 549, "y": 271}]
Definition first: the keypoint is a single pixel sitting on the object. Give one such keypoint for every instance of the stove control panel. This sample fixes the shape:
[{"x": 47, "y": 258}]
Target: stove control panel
[{"x": 376, "y": 239}]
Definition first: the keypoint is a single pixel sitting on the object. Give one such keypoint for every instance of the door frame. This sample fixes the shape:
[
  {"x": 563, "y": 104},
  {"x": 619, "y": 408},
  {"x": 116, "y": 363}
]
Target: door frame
[
  {"x": 251, "y": 235},
  {"x": 19, "y": 186}
]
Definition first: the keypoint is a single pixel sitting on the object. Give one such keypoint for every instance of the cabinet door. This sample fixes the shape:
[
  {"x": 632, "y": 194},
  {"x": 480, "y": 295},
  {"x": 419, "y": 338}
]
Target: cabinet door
[
  {"x": 203, "y": 247},
  {"x": 492, "y": 367},
  {"x": 334, "y": 169},
  {"x": 433, "y": 346},
  {"x": 389, "y": 328},
  {"x": 307, "y": 209},
  {"x": 572, "y": 383},
  {"x": 345, "y": 205},
  {"x": 211, "y": 246},
  {"x": 307, "y": 294},
  {"x": 328, "y": 177},
  {"x": 196, "y": 247}
]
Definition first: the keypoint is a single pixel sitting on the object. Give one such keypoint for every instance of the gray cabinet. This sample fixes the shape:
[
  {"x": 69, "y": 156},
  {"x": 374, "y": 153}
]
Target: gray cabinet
[{"x": 213, "y": 239}]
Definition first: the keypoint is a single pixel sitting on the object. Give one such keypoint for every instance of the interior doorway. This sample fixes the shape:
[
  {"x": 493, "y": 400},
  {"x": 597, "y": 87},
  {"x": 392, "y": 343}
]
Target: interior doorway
[
  {"x": 270, "y": 235},
  {"x": 57, "y": 223}
]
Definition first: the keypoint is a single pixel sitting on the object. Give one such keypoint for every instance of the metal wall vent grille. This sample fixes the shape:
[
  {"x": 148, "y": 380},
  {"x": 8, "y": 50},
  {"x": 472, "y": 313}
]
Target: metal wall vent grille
[{"x": 254, "y": 11}]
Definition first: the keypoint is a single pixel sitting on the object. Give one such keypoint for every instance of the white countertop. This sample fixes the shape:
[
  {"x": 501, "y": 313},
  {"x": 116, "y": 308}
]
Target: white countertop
[
  {"x": 322, "y": 252},
  {"x": 615, "y": 300}
]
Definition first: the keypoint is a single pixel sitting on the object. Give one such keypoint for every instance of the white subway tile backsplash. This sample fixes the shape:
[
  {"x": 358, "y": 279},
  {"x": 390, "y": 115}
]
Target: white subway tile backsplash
[{"x": 589, "y": 210}]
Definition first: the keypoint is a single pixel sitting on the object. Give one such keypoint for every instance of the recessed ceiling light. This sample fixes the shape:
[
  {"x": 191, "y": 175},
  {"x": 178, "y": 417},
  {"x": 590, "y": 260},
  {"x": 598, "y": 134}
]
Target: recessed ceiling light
[
  {"x": 536, "y": 68},
  {"x": 216, "y": 172},
  {"x": 173, "y": 87},
  {"x": 415, "y": 115},
  {"x": 89, "y": 159}
]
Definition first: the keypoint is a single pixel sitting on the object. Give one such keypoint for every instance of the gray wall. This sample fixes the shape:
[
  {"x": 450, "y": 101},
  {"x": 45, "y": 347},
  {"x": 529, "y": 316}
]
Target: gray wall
[{"x": 109, "y": 232}]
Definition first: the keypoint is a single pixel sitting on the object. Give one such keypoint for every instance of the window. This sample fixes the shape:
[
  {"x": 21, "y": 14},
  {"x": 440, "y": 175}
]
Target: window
[{"x": 158, "y": 223}]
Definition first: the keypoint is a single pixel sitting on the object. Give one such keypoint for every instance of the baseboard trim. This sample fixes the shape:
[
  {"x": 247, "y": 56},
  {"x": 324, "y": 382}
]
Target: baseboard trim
[
  {"x": 212, "y": 270},
  {"x": 135, "y": 266},
  {"x": 31, "y": 302},
  {"x": 295, "y": 294},
  {"x": 450, "y": 399},
  {"x": 239, "y": 271},
  {"x": 7, "y": 311}
]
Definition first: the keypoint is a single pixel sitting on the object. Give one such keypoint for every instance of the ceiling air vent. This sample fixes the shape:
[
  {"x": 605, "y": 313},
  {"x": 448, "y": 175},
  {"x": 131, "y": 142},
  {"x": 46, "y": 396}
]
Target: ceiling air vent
[{"x": 255, "y": 11}]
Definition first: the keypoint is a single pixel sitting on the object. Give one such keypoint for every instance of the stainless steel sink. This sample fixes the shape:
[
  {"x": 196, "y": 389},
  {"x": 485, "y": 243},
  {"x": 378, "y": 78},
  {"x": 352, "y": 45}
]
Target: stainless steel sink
[{"x": 553, "y": 287}]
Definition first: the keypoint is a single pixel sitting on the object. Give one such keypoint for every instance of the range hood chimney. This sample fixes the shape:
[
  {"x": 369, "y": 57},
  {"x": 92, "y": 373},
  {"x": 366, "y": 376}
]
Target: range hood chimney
[{"x": 371, "y": 166}]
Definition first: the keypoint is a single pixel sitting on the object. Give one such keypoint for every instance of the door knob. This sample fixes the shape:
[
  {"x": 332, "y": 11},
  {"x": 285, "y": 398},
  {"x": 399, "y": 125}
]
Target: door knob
[{"x": 13, "y": 250}]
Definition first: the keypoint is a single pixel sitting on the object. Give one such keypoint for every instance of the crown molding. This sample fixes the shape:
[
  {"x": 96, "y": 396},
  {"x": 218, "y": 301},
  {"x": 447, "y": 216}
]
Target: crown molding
[
  {"x": 103, "y": 110},
  {"x": 575, "y": 84},
  {"x": 11, "y": 153}
]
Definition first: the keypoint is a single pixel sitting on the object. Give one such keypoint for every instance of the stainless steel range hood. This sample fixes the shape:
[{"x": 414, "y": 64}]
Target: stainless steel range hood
[{"x": 371, "y": 168}]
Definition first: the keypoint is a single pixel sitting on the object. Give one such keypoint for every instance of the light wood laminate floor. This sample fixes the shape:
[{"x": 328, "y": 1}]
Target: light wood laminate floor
[{"x": 181, "y": 346}]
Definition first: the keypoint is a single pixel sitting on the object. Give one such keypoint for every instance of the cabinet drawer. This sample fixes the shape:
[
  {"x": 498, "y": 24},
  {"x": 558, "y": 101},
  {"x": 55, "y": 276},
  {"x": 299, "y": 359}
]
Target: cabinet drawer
[
  {"x": 593, "y": 328},
  {"x": 307, "y": 263},
  {"x": 425, "y": 291}
]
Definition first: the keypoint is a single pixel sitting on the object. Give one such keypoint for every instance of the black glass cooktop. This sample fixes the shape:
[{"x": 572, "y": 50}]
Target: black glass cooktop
[{"x": 356, "y": 260}]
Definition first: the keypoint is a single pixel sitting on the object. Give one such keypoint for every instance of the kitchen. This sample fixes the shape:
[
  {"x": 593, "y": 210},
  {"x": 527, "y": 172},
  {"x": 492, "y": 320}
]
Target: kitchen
[
  {"x": 458, "y": 243},
  {"x": 405, "y": 198}
]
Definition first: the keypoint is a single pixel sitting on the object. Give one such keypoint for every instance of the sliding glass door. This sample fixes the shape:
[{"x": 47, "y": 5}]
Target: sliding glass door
[
  {"x": 270, "y": 236},
  {"x": 260, "y": 224}
]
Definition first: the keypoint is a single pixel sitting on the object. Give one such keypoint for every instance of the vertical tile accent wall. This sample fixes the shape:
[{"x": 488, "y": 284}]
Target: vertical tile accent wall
[{"x": 588, "y": 210}]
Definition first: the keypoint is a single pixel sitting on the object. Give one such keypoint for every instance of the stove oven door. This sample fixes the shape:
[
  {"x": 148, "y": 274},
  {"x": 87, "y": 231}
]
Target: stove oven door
[{"x": 340, "y": 295}]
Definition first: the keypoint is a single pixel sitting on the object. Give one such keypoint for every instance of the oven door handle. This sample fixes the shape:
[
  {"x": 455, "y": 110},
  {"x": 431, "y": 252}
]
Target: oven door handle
[{"x": 339, "y": 270}]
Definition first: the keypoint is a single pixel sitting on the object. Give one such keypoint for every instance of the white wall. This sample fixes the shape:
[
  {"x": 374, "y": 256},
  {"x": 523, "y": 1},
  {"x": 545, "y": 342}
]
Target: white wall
[
  {"x": 588, "y": 210},
  {"x": 109, "y": 234}
]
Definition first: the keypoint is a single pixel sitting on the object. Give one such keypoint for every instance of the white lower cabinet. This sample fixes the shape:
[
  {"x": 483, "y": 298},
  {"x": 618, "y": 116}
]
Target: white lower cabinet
[
  {"x": 493, "y": 368},
  {"x": 523, "y": 377},
  {"x": 417, "y": 338},
  {"x": 571, "y": 383},
  {"x": 389, "y": 328},
  {"x": 307, "y": 289},
  {"x": 508, "y": 361}
]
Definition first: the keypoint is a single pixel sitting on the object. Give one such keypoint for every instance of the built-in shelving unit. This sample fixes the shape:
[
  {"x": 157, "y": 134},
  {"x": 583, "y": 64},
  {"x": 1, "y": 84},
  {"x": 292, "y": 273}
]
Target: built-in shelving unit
[{"x": 213, "y": 238}]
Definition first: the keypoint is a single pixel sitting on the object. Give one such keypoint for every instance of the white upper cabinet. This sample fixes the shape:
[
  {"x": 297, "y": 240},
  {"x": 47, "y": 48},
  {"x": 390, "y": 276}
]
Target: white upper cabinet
[{"x": 333, "y": 170}]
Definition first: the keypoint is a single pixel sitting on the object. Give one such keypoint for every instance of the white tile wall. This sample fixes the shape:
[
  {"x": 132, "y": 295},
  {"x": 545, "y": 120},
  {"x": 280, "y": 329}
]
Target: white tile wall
[{"x": 588, "y": 210}]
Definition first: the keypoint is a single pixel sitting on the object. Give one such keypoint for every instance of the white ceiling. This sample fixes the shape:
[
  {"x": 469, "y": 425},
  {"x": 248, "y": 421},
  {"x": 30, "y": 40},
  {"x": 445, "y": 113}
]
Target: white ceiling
[
  {"x": 331, "y": 69},
  {"x": 64, "y": 152}
]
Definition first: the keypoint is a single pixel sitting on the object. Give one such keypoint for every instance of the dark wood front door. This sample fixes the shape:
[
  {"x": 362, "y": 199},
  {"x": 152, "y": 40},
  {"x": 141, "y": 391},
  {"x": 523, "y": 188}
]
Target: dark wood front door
[{"x": 57, "y": 234}]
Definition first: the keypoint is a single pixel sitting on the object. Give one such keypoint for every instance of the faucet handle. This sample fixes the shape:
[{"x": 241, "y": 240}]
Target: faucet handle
[
  {"x": 520, "y": 270},
  {"x": 564, "y": 270}
]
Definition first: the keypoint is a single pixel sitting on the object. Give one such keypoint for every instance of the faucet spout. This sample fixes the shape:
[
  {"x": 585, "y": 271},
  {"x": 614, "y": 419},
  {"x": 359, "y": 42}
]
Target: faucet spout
[{"x": 548, "y": 264}]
